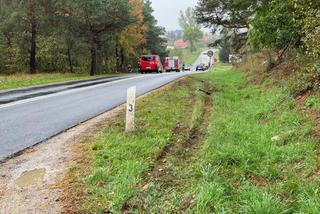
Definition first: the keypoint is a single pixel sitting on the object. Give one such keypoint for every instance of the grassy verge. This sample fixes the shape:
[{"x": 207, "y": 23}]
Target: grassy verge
[
  {"x": 165, "y": 188},
  {"x": 187, "y": 57},
  {"x": 25, "y": 80},
  {"x": 243, "y": 149},
  {"x": 260, "y": 156},
  {"x": 120, "y": 163}
]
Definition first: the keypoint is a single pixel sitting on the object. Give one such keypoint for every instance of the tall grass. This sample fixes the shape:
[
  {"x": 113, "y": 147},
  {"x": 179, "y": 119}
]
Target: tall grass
[{"x": 241, "y": 169}]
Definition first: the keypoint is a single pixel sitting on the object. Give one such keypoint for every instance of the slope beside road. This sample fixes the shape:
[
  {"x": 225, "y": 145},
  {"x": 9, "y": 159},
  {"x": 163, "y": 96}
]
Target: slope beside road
[{"x": 242, "y": 146}]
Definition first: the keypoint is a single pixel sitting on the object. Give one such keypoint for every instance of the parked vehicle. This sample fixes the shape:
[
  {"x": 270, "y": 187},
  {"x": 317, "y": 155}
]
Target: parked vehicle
[
  {"x": 201, "y": 67},
  {"x": 172, "y": 64},
  {"x": 150, "y": 63},
  {"x": 186, "y": 68}
]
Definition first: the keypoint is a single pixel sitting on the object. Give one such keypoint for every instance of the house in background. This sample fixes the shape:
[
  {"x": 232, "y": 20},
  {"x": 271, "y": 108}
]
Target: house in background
[{"x": 180, "y": 44}]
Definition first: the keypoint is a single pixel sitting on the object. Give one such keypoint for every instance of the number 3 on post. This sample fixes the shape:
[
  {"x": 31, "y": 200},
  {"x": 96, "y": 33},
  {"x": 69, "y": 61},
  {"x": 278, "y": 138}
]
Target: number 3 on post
[
  {"x": 130, "y": 116},
  {"x": 130, "y": 108}
]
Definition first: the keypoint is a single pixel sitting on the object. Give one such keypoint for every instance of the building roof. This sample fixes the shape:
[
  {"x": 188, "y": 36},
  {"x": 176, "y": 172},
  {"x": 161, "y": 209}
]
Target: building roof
[{"x": 180, "y": 44}]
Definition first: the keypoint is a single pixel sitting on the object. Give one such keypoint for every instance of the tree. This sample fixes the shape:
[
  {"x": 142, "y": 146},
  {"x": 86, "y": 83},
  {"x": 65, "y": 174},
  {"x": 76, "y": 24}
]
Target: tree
[
  {"x": 276, "y": 26},
  {"x": 7, "y": 29},
  {"x": 131, "y": 38},
  {"x": 27, "y": 20},
  {"x": 74, "y": 35},
  {"x": 228, "y": 14},
  {"x": 233, "y": 16},
  {"x": 284, "y": 24},
  {"x": 192, "y": 30},
  {"x": 311, "y": 27},
  {"x": 67, "y": 32},
  {"x": 155, "y": 42},
  {"x": 225, "y": 49},
  {"x": 31, "y": 19},
  {"x": 96, "y": 18}
]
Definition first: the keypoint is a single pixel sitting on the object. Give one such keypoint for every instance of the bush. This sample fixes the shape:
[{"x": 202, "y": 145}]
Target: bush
[
  {"x": 52, "y": 55},
  {"x": 255, "y": 65},
  {"x": 307, "y": 78}
]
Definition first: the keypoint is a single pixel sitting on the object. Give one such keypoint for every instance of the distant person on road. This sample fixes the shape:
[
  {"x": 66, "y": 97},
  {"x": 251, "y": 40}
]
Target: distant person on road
[
  {"x": 183, "y": 67},
  {"x": 130, "y": 68}
]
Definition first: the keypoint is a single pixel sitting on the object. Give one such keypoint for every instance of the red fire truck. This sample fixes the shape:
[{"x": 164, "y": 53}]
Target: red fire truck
[{"x": 172, "y": 64}]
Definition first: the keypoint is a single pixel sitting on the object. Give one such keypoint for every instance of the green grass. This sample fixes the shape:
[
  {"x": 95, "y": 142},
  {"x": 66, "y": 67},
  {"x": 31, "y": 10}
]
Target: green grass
[
  {"x": 25, "y": 80},
  {"x": 120, "y": 159},
  {"x": 187, "y": 57},
  {"x": 241, "y": 169},
  {"x": 258, "y": 156},
  {"x": 191, "y": 57},
  {"x": 313, "y": 102},
  {"x": 167, "y": 191}
]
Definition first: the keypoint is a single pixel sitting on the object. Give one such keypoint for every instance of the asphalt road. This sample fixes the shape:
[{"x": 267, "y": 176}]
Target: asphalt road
[
  {"x": 30, "y": 121},
  {"x": 25, "y": 93}
]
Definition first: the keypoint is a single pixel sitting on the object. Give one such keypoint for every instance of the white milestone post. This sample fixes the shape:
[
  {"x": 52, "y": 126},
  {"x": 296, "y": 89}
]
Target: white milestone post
[{"x": 131, "y": 107}]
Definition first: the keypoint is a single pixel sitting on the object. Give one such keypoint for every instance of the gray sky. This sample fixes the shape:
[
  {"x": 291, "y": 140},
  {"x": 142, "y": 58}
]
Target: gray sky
[{"x": 167, "y": 11}]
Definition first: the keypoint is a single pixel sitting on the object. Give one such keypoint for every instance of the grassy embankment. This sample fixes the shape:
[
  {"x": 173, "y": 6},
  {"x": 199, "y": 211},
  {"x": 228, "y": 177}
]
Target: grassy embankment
[
  {"x": 187, "y": 57},
  {"x": 260, "y": 156},
  {"x": 25, "y": 80},
  {"x": 251, "y": 150}
]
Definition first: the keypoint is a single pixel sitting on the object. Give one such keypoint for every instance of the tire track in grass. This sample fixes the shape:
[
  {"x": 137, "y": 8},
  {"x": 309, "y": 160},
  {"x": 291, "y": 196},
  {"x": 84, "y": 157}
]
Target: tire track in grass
[
  {"x": 117, "y": 161},
  {"x": 169, "y": 175}
]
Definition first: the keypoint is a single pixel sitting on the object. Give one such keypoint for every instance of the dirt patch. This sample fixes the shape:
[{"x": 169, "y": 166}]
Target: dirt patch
[
  {"x": 303, "y": 97},
  {"x": 34, "y": 181},
  {"x": 29, "y": 178},
  {"x": 314, "y": 115},
  {"x": 258, "y": 180},
  {"x": 315, "y": 175},
  {"x": 177, "y": 155}
]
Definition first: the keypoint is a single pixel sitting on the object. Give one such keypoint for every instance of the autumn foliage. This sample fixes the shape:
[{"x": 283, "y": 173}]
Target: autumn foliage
[{"x": 76, "y": 36}]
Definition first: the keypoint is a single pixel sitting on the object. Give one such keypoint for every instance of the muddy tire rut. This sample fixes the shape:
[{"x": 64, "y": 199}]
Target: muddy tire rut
[{"x": 167, "y": 174}]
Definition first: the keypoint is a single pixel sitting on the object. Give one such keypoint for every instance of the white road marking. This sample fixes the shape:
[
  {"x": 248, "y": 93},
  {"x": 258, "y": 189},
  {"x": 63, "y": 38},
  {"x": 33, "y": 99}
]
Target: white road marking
[
  {"x": 20, "y": 102},
  {"x": 66, "y": 92}
]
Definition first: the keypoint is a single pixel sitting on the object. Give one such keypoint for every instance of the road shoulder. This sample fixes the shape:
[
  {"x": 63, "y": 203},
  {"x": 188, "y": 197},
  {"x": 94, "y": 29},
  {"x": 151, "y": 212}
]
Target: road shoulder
[{"x": 34, "y": 182}]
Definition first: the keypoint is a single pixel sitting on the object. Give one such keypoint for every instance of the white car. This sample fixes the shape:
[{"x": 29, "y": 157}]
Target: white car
[{"x": 187, "y": 68}]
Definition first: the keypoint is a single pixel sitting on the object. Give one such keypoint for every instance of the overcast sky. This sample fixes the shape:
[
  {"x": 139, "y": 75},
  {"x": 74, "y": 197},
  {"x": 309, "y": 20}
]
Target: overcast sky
[{"x": 167, "y": 11}]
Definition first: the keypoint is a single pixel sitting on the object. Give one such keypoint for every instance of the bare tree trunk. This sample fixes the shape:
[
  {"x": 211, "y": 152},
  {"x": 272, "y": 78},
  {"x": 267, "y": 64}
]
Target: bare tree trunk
[
  {"x": 8, "y": 38},
  {"x": 33, "y": 49},
  {"x": 70, "y": 60},
  {"x": 118, "y": 59},
  {"x": 281, "y": 54},
  {"x": 123, "y": 67},
  {"x": 192, "y": 46},
  {"x": 93, "y": 60}
]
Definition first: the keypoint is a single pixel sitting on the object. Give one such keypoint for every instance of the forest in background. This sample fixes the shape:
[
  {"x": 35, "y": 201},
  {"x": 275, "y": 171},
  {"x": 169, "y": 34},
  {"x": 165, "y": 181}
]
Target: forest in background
[{"x": 100, "y": 36}]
